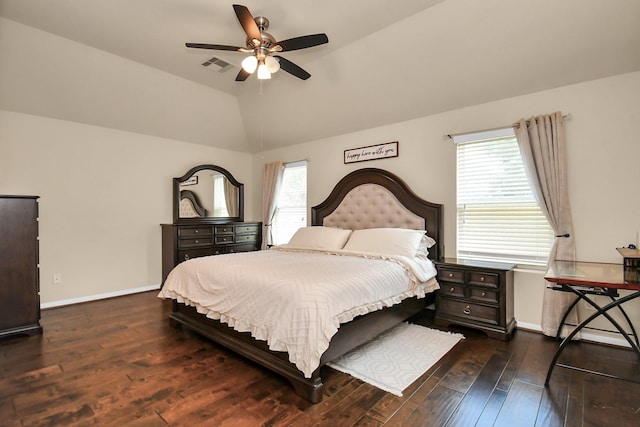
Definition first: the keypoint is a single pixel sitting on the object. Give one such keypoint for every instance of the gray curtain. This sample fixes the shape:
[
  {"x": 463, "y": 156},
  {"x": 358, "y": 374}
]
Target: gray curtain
[
  {"x": 542, "y": 145},
  {"x": 271, "y": 183}
]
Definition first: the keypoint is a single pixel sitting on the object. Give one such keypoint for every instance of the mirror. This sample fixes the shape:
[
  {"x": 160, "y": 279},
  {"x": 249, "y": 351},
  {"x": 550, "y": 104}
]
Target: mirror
[{"x": 207, "y": 193}]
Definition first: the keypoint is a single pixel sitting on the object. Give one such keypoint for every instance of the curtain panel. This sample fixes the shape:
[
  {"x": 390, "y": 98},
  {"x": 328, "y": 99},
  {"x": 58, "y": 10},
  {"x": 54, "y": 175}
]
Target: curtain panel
[
  {"x": 541, "y": 140},
  {"x": 271, "y": 184}
]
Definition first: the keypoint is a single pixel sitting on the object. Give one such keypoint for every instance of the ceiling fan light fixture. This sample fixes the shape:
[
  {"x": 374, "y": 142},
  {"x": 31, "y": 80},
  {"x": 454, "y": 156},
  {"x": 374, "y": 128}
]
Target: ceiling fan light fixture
[
  {"x": 263, "y": 71},
  {"x": 272, "y": 64},
  {"x": 249, "y": 64}
]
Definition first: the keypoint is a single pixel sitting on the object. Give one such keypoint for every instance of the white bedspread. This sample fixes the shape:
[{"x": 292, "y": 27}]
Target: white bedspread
[{"x": 295, "y": 299}]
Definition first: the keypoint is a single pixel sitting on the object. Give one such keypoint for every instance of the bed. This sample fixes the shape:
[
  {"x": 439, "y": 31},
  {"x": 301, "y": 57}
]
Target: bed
[{"x": 365, "y": 201}]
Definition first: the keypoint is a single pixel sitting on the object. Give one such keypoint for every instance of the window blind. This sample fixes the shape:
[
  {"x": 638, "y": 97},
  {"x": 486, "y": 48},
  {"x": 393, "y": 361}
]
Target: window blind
[{"x": 498, "y": 217}]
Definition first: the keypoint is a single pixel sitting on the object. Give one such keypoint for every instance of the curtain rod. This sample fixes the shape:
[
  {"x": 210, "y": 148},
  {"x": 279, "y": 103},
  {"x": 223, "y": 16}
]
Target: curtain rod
[
  {"x": 451, "y": 135},
  {"x": 297, "y": 161}
]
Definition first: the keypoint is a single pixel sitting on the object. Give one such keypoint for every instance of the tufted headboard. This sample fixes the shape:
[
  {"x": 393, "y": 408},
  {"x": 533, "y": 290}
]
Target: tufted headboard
[
  {"x": 374, "y": 198},
  {"x": 190, "y": 206}
]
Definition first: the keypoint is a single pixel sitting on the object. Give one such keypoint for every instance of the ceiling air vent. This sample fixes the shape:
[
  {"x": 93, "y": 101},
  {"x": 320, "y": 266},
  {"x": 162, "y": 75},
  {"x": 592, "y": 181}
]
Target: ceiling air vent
[{"x": 217, "y": 64}]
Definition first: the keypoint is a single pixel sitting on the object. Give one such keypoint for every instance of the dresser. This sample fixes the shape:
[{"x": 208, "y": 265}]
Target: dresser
[
  {"x": 19, "y": 272},
  {"x": 182, "y": 242},
  {"x": 476, "y": 294}
]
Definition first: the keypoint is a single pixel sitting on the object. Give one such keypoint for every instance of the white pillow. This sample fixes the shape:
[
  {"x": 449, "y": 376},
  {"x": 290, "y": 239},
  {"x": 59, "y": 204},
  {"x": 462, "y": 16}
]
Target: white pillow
[
  {"x": 385, "y": 241},
  {"x": 423, "y": 247},
  {"x": 318, "y": 237}
]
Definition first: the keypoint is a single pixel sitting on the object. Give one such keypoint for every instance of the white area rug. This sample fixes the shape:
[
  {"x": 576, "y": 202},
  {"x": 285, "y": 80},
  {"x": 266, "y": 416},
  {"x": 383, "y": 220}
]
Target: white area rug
[{"x": 397, "y": 357}]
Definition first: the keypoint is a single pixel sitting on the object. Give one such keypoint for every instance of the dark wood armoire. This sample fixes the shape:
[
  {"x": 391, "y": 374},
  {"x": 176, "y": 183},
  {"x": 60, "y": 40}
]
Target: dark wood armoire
[{"x": 19, "y": 271}]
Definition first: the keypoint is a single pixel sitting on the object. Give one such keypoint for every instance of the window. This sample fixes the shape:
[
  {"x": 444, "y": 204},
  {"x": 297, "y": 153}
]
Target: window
[
  {"x": 291, "y": 212},
  {"x": 497, "y": 215},
  {"x": 219, "y": 201}
]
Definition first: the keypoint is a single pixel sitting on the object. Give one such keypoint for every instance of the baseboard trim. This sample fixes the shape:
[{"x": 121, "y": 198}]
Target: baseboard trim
[
  {"x": 585, "y": 336},
  {"x": 98, "y": 296}
]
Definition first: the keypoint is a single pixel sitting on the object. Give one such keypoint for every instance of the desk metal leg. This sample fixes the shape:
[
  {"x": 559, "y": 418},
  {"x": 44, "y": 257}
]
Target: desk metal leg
[
  {"x": 633, "y": 330},
  {"x": 564, "y": 318},
  {"x": 601, "y": 311}
]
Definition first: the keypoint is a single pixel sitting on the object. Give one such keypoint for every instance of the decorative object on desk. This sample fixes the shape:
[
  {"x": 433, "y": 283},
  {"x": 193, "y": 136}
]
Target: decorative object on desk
[
  {"x": 630, "y": 256},
  {"x": 396, "y": 358},
  {"x": 371, "y": 152},
  {"x": 631, "y": 263}
]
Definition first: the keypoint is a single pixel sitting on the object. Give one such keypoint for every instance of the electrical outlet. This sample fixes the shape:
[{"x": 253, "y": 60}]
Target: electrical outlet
[{"x": 57, "y": 278}]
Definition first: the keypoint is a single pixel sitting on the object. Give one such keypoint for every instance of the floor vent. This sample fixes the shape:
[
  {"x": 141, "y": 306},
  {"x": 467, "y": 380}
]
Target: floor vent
[{"x": 217, "y": 64}]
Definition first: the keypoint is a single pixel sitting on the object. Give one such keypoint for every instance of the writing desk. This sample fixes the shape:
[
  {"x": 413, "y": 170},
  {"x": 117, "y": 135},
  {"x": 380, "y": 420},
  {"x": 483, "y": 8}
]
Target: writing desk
[{"x": 585, "y": 279}]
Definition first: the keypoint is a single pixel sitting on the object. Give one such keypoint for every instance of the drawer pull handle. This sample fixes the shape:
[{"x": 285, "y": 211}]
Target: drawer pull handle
[
  {"x": 197, "y": 241},
  {"x": 482, "y": 278},
  {"x": 196, "y": 231},
  {"x": 452, "y": 289},
  {"x": 467, "y": 310},
  {"x": 484, "y": 294},
  {"x": 186, "y": 257},
  {"x": 450, "y": 274}
]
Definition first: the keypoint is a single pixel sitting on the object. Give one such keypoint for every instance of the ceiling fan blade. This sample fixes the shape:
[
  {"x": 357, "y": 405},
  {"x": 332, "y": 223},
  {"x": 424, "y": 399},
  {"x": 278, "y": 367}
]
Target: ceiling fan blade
[
  {"x": 216, "y": 47},
  {"x": 292, "y": 68},
  {"x": 303, "y": 42},
  {"x": 248, "y": 23},
  {"x": 242, "y": 75}
]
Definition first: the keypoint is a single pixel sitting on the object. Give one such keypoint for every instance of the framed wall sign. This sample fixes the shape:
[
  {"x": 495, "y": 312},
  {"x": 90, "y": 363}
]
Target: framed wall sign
[
  {"x": 371, "y": 152},
  {"x": 191, "y": 181}
]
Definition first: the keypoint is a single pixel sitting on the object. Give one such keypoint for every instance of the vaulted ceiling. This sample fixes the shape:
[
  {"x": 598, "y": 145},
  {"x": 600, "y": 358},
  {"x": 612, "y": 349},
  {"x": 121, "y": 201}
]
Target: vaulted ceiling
[{"x": 385, "y": 61}]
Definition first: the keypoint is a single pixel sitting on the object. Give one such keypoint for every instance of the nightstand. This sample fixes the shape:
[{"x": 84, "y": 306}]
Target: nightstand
[{"x": 476, "y": 294}]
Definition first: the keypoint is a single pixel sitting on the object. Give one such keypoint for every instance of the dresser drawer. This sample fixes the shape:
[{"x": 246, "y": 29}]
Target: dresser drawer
[
  {"x": 247, "y": 229},
  {"x": 195, "y": 242},
  {"x": 184, "y": 255},
  {"x": 484, "y": 295},
  {"x": 483, "y": 279},
  {"x": 194, "y": 231},
  {"x": 249, "y": 247},
  {"x": 467, "y": 310},
  {"x": 224, "y": 229},
  {"x": 452, "y": 289},
  {"x": 224, "y": 239},
  {"x": 245, "y": 238},
  {"x": 451, "y": 275}
]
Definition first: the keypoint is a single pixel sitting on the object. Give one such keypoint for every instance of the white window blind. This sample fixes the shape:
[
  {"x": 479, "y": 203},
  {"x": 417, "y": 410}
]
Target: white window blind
[
  {"x": 498, "y": 216},
  {"x": 291, "y": 211}
]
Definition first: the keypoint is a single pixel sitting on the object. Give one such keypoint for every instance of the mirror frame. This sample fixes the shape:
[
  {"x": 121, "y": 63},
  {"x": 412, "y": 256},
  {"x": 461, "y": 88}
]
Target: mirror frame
[{"x": 218, "y": 219}]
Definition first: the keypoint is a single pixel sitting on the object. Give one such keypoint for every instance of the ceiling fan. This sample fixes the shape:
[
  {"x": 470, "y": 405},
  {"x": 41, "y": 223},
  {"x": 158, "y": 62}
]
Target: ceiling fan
[{"x": 263, "y": 48}]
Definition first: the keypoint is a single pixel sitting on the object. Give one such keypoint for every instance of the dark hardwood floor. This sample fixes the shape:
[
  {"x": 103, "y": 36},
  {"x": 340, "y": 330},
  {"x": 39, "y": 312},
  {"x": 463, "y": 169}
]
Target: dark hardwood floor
[{"x": 118, "y": 362}]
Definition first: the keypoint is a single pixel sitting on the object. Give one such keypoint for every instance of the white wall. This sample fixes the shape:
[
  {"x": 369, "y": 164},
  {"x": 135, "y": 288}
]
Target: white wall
[
  {"x": 603, "y": 151},
  {"x": 47, "y": 75},
  {"x": 103, "y": 195}
]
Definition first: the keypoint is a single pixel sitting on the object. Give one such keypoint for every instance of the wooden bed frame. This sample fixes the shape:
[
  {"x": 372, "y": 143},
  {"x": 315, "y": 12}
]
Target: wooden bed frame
[{"x": 351, "y": 334}]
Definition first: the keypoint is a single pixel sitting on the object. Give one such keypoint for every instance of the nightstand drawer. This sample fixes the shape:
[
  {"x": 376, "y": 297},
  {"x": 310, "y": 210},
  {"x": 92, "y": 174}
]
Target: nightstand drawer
[
  {"x": 452, "y": 289},
  {"x": 484, "y": 295},
  {"x": 463, "y": 309},
  {"x": 451, "y": 275},
  {"x": 483, "y": 279}
]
